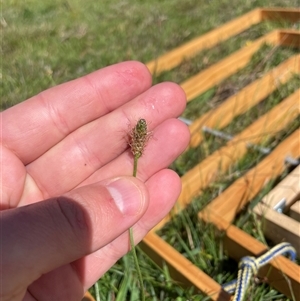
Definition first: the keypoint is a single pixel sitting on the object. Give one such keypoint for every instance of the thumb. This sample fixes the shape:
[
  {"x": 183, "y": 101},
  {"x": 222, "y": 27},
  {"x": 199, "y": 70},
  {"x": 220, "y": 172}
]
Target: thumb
[{"x": 46, "y": 235}]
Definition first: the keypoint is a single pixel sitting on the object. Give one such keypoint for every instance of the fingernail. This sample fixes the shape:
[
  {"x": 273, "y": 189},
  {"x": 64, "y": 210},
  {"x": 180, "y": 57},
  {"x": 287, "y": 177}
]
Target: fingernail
[{"x": 127, "y": 196}]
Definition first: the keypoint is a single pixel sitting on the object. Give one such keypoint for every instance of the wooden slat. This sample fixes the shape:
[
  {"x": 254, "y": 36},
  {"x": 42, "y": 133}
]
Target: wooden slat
[
  {"x": 279, "y": 227},
  {"x": 238, "y": 242},
  {"x": 88, "y": 297},
  {"x": 289, "y": 38},
  {"x": 213, "y": 75},
  {"x": 295, "y": 211},
  {"x": 206, "y": 171},
  {"x": 288, "y": 189},
  {"x": 245, "y": 99},
  {"x": 277, "y": 14},
  {"x": 233, "y": 199},
  {"x": 243, "y": 244},
  {"x": 282, "y": 274},
  {"x": 174, "y": 57},
  {"x": 180, "y": 268}
]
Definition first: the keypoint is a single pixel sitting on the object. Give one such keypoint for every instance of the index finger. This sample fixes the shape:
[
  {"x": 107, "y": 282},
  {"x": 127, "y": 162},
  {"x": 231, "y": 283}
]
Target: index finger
[{"x": 32, "y": 127}]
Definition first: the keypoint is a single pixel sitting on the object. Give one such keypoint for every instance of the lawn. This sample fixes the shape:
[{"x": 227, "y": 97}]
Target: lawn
[{"x": 48, "y": 42}]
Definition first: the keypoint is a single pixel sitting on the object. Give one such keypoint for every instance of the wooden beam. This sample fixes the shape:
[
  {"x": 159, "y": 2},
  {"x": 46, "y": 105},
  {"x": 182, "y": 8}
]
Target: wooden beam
[
  {"x": 174, "y": 57},
  {"x": 181, "y": 269},
  {"x": 88, "y": 297},
  {"x": 245, "y": 99},
  {"x": 289, "y": 38},
  {"x": 295, "y": 211},
  {"x": 238, "y": 242},
  {"x": 234, "y": 198},
  {"x": 198, "y": 178},
  {"x": 288, "y": 189},
  {"x": 280, "y": 14},
  {"x": 277, "y": 226},
  {"x": 213, "y": 75}
]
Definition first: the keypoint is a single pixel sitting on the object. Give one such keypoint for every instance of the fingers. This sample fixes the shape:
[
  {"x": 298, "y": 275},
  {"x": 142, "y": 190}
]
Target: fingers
[
  {"x": 13, "y": 174},
  {"x": 58, "y": 231},
  {"x": 164, "y": 188},
  {"x": 168, "y": 141},
  {"x": 47, "y": 118},
  {"x": 92, "y": 146}
]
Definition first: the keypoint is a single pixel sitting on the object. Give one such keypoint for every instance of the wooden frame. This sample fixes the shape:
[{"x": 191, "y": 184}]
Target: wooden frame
[
  {"x": 199, "y": 177},
  {"x": 295, "y": 211},
  {"x": 237, "y": 242},
  {"x": 174, "y": 57},
  {"x": 251, "y": 95},
  {"x": 213, "y": 75},
  {"x": 276, "y": 225},
  {"x": 88, "y": 297}
]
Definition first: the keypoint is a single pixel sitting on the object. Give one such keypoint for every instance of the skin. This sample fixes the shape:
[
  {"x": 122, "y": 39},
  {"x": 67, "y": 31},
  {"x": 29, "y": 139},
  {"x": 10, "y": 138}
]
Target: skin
[{"x": 63, "y": 152}]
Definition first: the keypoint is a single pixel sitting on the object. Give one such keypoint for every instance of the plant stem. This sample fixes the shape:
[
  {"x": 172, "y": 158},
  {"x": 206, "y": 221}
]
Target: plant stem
[
  {"x": 136, "y": 263},
  {"x": 136, "y": 158},
  {"x": 132, "y": 245},
  {"x": 96, "y": 287}
]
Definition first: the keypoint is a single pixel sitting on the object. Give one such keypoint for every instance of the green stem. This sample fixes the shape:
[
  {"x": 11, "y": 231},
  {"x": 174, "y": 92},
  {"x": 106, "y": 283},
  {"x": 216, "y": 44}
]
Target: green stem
[
  {"x": 96, "y": 287},
  {"x": 136, "y": 158},
  {"x": 136, "y": 262},
  {"x": 132, "y": 245}
]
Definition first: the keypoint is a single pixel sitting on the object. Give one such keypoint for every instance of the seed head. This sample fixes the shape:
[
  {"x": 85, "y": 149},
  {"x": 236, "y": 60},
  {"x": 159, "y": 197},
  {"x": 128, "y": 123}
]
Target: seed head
[{"x": 139, "y": 137}]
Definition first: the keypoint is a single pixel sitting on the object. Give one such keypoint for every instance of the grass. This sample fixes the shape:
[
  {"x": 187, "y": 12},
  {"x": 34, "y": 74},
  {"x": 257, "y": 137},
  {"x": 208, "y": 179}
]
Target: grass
[{"x": 49, "y": 42}]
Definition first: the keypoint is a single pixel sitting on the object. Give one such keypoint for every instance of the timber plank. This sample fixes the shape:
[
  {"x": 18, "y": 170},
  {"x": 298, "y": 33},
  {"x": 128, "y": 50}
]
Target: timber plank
[
  {"x": 213, "y": 75},
  {"x": 245, "y": 99},
  {"x": 88, "y": 297},
  {"x": 199, "y": 177},
  {"x": 276, "y": 14},
  {"x": 279, "y": 227},
  {"x": 174, "y": 57},
  {"x": 289, "y": 38},
  {"x": 295, "y": 211},
  {"x": 288, "y": 189},
  {"x": 233, "y": 199},
  {"x": 180, "y": 268},
  {"x": 238, "y": 242}
]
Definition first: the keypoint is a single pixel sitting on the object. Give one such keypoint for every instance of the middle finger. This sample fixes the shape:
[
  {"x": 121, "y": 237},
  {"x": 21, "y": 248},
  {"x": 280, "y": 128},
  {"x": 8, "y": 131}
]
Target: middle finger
[{"x": 95, "y": 144}]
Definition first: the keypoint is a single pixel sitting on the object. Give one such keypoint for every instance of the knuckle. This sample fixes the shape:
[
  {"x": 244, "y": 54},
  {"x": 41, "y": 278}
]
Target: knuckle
[{"x": 75, "y": 218}]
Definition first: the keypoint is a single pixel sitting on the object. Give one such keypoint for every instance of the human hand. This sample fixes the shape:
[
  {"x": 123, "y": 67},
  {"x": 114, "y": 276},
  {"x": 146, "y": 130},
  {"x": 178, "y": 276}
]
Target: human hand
[{"x": 68, "y": 197}]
